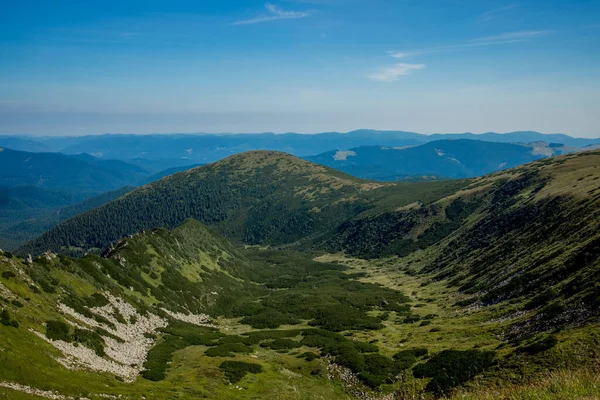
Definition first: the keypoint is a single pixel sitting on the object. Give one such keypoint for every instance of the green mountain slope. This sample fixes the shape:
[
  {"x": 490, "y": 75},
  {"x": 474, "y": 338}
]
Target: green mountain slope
[
  {"x": 256, "y": 197},
  {"x": 460, "y": 158},
  {"x": 31, "y": 211},
  {"x": 461, "y": 289},
  {"x": 110, "y": 325},
  {"x": 529, "y": 234}
]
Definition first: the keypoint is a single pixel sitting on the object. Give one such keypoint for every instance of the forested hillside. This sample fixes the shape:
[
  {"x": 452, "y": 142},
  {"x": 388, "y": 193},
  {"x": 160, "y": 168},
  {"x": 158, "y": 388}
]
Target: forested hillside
[
  {"x": 255, "y": 197},
  {"x": 30, "y": 211}
]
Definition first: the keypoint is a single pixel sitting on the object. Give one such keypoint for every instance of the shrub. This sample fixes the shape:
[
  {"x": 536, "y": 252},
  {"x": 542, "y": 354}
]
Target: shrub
[
  {"x": 160, "y": 356},
  {"x": 419, "y": 351},
  {"x": 407, "y": 358},
  {"x": 451, "y": 368},
  {"x": 308, "y": 356},
  {"x": 372, "y": 369},
  {"x": 8, "y": 274},
  {"x": 281, "y": 344},
  {"x": 178, "y": 335},
  {"x": 540, "y": 300},
  {"x": 270, "y": 319},
  {"x": 95, "y": 300},
  {"x": 552, "y": 311},
  {"x": 409, "y": 319},
  {"x": 236, "y": 370},
  {"x": 90, "y": 339},
  {"x": 58, "y": 330},
  {"x": 228, "y": 350},
  {"x": 539, "y": 346},
  {"x": 6, "y": 320},
  {"x": 341, "y": 318},
  {"x": 466, "y": 302},
  {"x": 378, "y": 370}
]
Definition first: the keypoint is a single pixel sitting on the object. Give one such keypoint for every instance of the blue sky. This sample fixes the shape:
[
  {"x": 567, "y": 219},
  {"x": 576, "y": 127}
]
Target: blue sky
[{"x": 74, "y": 67}]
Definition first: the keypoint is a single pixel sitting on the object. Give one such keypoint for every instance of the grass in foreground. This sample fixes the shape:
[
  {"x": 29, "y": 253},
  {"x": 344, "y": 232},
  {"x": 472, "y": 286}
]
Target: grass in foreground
[{"x": 562, "y": 384}]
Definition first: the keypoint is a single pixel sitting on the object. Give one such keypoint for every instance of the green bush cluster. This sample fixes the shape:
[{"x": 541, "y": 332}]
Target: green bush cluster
[
  {"x": 228, "y": 350},
  {"x": 270, "y": 319},
  {"x": 308, "y": 356},
  {"x": 177, "y": 336},
  {"x": 40, "y": 274},
  {"x": 451, "y": 368},
  {"x": 405, "y": 359},
  {"x": 236, "y": 370},
  {"x": 81, "y": 305},
  {"x": 90, "y": 339},
  {"x": 58, "y": 330},
  {"x": 411, "y": 319},
  {"x": 360, "y": 357},
  {"x": 322, "y": 293},
  {"x": 7, "y": 320},
  {"x": 539, "y": 346},
  {"x": 8, "y": 274},
  {"x": 281, "y": 344}
]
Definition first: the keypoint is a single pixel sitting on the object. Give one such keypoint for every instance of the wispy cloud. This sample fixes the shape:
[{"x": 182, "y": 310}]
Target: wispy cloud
[
  {"x": 504, "y": 38},
  {"x": 497, "y": 13},
  {"x": 274, "y": 13},
  {"x": 391, "y": 74},
  {"x": 522, "y": 35}
]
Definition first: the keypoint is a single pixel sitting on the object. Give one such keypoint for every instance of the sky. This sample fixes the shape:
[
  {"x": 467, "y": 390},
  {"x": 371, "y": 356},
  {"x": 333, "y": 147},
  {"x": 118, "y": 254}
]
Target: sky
[{"x": 428, "y": 66}]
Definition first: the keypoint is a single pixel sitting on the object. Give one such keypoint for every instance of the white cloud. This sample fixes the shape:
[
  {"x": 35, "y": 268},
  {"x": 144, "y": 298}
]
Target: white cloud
[
  {"x": 522, "y": 35},
  {"x": 398, "y": 54},
  {"x": 496, "y": 13},
  {"x": 274, "y": 13},
  {"x": 391, "y": 74},
  {"x": 504, "y": 38}
]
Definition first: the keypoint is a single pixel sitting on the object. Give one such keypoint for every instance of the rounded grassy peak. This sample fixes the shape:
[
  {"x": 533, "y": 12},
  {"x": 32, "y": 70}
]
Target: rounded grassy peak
[{"x": 275, "y": 161}]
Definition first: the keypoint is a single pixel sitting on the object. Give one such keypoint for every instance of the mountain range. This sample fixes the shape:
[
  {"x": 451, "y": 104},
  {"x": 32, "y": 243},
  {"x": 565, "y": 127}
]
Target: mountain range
[
  {"x": 34, "y": 187},
  {"x": 454, "y": 158},
  {"x": 294, "y": 278},
  {"x": 183, "y": 149}
]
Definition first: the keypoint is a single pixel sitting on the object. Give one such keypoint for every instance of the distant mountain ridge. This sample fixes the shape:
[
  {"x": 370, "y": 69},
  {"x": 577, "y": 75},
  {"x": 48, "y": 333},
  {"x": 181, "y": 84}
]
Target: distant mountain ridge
[
  {"x": 205, "y": 148},
  {"x": 38, "y": 190},
  {"x": 80, "y": 173},
  {"x": 458, "y": 158}
]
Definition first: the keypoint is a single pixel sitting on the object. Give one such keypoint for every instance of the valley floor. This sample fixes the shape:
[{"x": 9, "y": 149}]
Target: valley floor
[{"x": 28, "y": 369}]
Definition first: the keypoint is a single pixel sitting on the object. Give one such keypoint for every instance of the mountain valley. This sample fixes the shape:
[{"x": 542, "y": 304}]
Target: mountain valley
[{"x": 300, "y": 280}]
